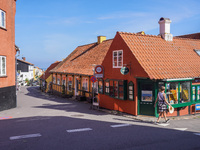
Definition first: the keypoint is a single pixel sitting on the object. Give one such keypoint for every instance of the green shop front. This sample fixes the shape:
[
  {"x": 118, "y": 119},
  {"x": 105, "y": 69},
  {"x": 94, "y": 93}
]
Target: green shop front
[{"x": 182, "y": 94}]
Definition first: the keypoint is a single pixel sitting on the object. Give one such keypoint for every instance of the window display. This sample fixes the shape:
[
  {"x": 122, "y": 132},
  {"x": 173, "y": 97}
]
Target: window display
[
  {"x": 172, "y": 92},
  {"x": 185, "y": 92},
  {"x": 100, "y": 86},
  {"x": 107, "y": 87}
]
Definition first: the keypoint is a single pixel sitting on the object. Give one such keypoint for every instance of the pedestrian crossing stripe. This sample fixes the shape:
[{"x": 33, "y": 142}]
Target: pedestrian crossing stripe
[
  {"x": 180, "y": 129},
  {"x": 197, "y": 134},
  {"x": 163, "y": 124}
]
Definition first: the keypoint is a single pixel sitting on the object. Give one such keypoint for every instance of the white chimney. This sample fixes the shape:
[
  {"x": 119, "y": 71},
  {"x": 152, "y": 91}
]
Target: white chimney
[{"x": 165, "y": 29}]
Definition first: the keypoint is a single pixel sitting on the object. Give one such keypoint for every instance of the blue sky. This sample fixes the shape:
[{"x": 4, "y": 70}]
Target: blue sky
[{"x": 49, "y": 30}]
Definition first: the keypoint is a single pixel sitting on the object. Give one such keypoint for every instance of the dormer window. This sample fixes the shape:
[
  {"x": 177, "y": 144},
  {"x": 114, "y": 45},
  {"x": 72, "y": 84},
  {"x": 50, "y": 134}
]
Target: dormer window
[
  {"x": 2, "y": 19},
  {"x": 118, "y": 59},
  {"x": 197, "y": 51}
]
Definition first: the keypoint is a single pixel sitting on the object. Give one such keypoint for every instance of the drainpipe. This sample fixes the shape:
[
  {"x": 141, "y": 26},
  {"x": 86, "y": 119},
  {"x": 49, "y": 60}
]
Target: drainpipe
[{"x": 16, "y": 69}]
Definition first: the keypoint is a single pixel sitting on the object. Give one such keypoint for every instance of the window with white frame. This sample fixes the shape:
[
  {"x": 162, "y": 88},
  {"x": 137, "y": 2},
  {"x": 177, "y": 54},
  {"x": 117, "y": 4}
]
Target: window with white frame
[
  {"x": 69, "y": 87},
  {"x": 54, "y": 80},
  {"x": 2, "y": 65},
  {"x": 95, "y": 87},
  {"x": 118, "y": 59},
  {"x": 2, "y": 19},
  {"x": 85, "y": 84},
  {"x": 58, "y": 81}
]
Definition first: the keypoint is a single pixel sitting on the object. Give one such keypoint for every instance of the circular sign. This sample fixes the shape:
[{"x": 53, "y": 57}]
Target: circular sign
[
  {"x": 124, "y": 70},
  {"x": 93, "y": 79},
  {"x": 99, "y": 69}
]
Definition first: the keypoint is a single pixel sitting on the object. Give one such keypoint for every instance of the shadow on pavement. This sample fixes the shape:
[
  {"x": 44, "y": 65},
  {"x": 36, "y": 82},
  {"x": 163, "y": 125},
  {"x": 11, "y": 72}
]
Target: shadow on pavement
[{"x": 54, "y": 135}]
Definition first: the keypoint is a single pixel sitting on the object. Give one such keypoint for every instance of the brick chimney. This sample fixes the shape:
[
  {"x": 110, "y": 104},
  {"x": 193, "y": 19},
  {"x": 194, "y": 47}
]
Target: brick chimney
[
  {"x": 24, "y": 58},
  {"x": 100, "y": 39},
  {"x": 165, "y": 29}
]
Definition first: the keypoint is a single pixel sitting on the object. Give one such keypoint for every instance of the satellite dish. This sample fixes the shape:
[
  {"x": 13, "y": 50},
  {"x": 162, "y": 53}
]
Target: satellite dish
[{"x": 124, "y": 70}]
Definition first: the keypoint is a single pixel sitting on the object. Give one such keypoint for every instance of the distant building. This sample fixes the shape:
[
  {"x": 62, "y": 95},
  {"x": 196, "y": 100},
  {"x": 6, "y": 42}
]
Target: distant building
[
  {"x": 7, "y": 54},
  {"x": 24, "y": 70},
  {"x": 46, "y": 78},
  {"x": 37, "y": 72}
]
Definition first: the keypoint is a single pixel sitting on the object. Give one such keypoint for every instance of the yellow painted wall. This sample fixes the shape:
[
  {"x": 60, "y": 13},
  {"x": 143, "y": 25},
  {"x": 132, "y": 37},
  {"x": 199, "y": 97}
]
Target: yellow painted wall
[{"x": 48, "y": 80}]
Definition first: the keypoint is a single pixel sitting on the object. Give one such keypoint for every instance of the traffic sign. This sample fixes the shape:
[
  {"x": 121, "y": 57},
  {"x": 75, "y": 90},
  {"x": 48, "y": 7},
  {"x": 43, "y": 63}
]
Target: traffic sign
[
  {"x": 99, "y": 69},
  {"x": 93, "y": 79}
]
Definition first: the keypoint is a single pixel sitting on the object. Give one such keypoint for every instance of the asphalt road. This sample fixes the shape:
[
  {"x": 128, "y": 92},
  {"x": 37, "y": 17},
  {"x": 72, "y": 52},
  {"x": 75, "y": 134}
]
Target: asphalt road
[{"x": 43, "y": 122}]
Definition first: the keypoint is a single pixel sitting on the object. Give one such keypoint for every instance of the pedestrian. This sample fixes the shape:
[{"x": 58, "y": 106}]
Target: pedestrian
[{"x": 162, "y": 104}]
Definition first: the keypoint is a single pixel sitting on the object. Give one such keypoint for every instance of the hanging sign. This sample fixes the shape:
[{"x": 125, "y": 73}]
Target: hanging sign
[{"x": 124, "y": 70}]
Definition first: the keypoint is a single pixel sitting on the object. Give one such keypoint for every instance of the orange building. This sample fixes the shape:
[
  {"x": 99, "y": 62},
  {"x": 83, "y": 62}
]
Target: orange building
[
  {"x": 7, "y": 54},
  {"x": 74, "y": 72},
  {"x": 136, "y": 65}
]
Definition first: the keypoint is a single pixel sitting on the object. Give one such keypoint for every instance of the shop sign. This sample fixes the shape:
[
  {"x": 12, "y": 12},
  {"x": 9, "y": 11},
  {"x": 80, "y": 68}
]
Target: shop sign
[
  {"x": 124, "y": 70},
  {"x": 197, "y": 107}
]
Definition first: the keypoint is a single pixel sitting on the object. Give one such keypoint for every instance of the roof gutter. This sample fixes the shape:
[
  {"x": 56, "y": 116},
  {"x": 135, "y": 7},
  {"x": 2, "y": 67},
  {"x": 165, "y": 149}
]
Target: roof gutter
[{"x": 178, "y": 79}]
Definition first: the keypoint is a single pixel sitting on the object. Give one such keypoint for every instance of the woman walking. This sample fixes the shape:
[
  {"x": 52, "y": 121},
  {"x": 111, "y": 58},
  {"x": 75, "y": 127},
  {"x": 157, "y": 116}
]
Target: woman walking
[{"x": 162, "y": 104}]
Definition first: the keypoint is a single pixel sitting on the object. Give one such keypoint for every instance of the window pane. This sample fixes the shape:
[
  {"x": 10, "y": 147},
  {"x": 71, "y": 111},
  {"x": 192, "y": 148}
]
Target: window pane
[
  {"x": 107, "y": 87},
  {"x": 115, "y": 89},
  {"x": 130, "y": 96},
  {"x": 198, "y": 92},
  {"x": 115, "y": 63},
  {"x": 119, "y": 53},
  {"x": 121, "y": 90},
  {"x": 3, "y": 66},
  {"x": 63, "y": 82},
  {"x": 185, "y": 92},
  {"x": 172, "y": 92},
  {"x": 101, "y": 86},
  {"x": 119, "y": 64},
  {"x": 111, "y": 89},
  {"x": 95, "y": 88},
  {"x": 115, "y": 54}
]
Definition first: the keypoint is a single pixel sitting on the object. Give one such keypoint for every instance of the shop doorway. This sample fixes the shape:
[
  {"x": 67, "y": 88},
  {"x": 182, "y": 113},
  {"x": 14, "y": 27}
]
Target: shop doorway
[
  {"x": 146, "y": 98},
  {"x": 76, "y": 86}
]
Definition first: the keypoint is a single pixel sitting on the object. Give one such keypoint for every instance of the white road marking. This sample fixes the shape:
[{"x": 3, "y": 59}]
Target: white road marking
[
  {"x": 79, "y": 130},
  {"x": 180, "y": 129},
  {"x": 163, "y": 124},
  {"x": 120, "y": 125},
  {"x": 197, "y": 134},
  {"x": 25, "y": 136}
]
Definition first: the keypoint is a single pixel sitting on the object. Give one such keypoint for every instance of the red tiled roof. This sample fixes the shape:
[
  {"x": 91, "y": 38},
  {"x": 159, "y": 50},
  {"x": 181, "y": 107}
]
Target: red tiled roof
[
  {"x": 82, "y": 59},
  {"x": 165, "y": 59},
  {"x": 47, "y": 72},
  {"x": 190, "y": 36}
]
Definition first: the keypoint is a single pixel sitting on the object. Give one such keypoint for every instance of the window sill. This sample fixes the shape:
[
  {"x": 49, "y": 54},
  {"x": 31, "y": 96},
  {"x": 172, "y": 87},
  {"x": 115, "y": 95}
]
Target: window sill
[
  {"x": 3, "y": 28},
  {"x": 3, "y": 76}
]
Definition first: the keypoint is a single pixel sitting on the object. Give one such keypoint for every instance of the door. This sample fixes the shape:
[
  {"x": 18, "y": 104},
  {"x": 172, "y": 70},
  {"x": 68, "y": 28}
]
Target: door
[
  {"x": 146, "y": 98},
  {"x": 76, "y": 86}
]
